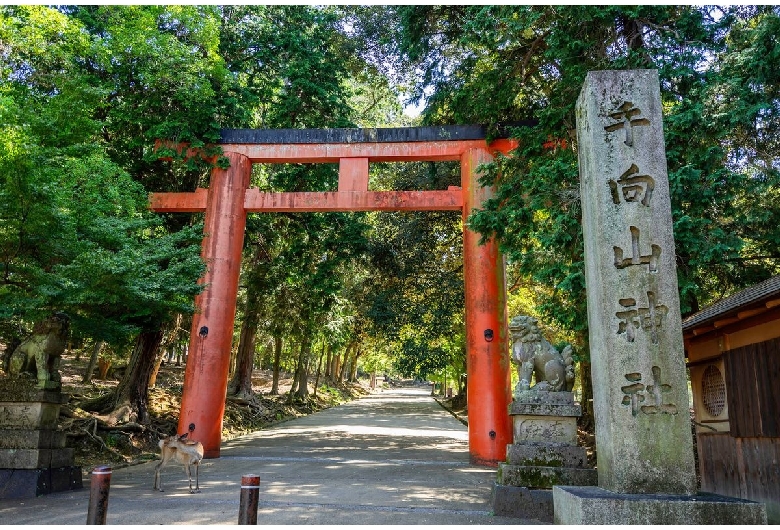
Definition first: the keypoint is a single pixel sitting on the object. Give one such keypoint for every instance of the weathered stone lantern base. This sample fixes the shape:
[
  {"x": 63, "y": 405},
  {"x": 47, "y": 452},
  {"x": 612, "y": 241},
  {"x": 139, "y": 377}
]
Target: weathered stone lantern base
[
  {"x": 545, "y": 454},
  {"x": 33, "y": 458},
  {"x": 594, "y": 505}
]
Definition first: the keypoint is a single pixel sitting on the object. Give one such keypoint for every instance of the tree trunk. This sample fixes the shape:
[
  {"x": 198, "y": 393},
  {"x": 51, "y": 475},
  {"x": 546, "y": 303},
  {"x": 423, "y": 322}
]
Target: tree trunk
[
  {"x": 181, "y": 353},
  {"x": 293, "y": 386},
  {"x": 156, "y": 368},
  {"x": 354, "y": 367},
  {"x": 325, "y": 348},
  {"x": 277, "y": 362},
  {"x": 296, "y": 373},
  {"x": 232, "y": 362},
  {"x": 343, "y": 371},
  {"x": 133, "y": 389},
  {"x": 93, "y": 358},
  {"x": 335, "y": 366},
  {"x": 303, "y": 368},
  {"x": 461, "y": 370},
  {"x": 131, "y": 395},
  {"x": 169, "y": 339},
  {"x": 240, "y": 385},
  {"x": 328, "y": 361}
]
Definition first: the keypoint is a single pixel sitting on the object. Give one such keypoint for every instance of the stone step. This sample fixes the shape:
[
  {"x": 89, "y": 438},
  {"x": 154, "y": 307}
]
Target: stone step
[
  {"x": 522, "y": 503},
  {"x": 597, "y": 506},
  {"x": 544, "y": 476}
]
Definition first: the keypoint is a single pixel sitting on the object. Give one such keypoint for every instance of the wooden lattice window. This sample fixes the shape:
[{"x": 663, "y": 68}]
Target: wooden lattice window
[{"x": 713, "y": 391}]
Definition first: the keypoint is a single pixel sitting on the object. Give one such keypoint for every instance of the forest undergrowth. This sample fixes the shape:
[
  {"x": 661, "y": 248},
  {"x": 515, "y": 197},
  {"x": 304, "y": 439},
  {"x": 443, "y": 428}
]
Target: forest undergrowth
[{"x": 101, "y": 440}]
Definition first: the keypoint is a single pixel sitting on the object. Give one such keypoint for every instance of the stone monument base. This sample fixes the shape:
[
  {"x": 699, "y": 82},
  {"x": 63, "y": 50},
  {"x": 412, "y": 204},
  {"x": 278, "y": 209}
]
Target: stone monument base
[
  {"x": 31, "y": 483},
  {"x": 545, "y": 454},
  {"x": 578, "y": 505},
  {"x": 33, "y": 458},
  {"x": 545, "y": 477},
  {"x": 522, "y": 502}
]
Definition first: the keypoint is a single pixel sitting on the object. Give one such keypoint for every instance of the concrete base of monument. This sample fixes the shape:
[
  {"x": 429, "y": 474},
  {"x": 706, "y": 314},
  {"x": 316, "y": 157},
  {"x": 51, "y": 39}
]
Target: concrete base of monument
[
  {"x": 509, "y": 498},
  {"x": 593, "y": 505},
  {"x": 522, "y": 503},
  {"x": 31, "y": 483}
]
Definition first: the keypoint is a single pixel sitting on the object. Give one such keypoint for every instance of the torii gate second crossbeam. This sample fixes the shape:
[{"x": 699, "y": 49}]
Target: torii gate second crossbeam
[{"x": 229, "y": 198}]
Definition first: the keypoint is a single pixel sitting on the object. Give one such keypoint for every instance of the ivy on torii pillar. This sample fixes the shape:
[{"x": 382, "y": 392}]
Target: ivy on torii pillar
[{"x": 229, "y": 198}]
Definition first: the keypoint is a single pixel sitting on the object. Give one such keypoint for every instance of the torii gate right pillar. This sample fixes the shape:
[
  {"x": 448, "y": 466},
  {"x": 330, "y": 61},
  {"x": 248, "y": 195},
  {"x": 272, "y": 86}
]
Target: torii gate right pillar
[{"x": 487, "y": 352}]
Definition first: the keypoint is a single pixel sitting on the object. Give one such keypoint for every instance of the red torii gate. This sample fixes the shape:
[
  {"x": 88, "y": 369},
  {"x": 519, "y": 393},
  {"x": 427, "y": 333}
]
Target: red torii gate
[{"x": 229, "y": 198}]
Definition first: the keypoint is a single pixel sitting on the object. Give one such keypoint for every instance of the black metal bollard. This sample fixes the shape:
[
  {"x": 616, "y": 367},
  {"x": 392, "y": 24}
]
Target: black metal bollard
[
  {"x": 250, "y": 494},
  {"x": 98, "y": 495}
]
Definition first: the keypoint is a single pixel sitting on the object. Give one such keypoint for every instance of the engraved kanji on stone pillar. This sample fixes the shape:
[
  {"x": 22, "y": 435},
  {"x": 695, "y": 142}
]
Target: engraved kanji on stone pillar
[
  {"x": 637, "y": 362},
  {"x": 631, "y": 187},
  {"x": 628, "y": 116}
]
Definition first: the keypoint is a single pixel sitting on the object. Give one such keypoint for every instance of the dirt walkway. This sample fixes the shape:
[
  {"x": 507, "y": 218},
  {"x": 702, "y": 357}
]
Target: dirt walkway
[{"x": 394, "y": 457}]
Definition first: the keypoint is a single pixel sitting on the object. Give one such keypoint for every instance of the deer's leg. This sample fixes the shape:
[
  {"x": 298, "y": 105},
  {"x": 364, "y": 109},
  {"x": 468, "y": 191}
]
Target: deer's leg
[
  {"x": 157, "y": 468},
  {"x": 157, "y": 477},
  {"x": 197, "y": 468},
  {"x": 189, "y": 475}
]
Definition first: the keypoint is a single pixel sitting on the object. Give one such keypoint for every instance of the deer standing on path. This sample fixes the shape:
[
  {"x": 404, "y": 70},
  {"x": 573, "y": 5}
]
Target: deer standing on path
[{"x": 187, "y": 452}]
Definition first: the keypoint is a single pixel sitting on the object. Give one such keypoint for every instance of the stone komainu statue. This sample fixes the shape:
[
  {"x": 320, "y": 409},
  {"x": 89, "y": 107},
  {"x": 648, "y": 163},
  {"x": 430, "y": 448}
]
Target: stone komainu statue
[
  {"x": 534, "y": 356},
  {"x": 39, "y": 354}
]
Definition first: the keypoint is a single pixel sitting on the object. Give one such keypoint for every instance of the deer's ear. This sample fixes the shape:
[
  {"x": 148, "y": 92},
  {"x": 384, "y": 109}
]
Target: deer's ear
[{"x": 183, "y": 436}]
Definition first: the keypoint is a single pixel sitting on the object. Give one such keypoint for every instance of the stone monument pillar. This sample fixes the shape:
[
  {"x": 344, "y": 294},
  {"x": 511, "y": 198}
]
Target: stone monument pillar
[
  {"x": 644, "y": 445},
  {"x": 544, "y": 418}
]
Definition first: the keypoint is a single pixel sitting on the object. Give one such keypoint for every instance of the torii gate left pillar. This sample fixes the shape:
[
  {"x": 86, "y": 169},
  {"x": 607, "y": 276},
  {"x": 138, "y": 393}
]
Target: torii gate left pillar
[
  {"x": 211, "y": 337},
  {"x": 226, "y": 204}
]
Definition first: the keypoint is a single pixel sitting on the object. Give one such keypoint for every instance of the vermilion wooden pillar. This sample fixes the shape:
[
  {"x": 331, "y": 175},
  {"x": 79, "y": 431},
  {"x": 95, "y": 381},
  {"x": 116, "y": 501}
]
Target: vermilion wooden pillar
[
  {"x": 206, "y": 374},
  {"x": 488, "y": 383}
]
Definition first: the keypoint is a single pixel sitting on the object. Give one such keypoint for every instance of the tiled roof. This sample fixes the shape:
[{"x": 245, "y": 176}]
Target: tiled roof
[{"x": 765, "y": 290}]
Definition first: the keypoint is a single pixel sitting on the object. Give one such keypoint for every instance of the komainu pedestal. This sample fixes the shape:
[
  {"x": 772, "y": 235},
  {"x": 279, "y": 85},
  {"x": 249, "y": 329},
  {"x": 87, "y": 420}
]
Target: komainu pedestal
[
  {"x": 33, "y": 458},
  {"x": 544, "y": 423}
]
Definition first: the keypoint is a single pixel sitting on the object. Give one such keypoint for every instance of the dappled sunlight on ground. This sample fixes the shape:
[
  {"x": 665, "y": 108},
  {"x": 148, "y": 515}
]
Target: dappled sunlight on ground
[
  {"x": 372, "y": 430},
  {"x": 395, "y": 457}
]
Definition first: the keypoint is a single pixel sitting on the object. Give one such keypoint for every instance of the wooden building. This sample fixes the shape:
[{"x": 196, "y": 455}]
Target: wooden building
[{"x": 733, "y": 352}]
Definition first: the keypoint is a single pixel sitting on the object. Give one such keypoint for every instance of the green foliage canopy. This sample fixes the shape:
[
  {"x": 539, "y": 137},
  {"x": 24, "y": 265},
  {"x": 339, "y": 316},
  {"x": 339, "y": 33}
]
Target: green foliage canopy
[
  {"x": 76, "y": 233},
  {"x": 499, "y": 64}
]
